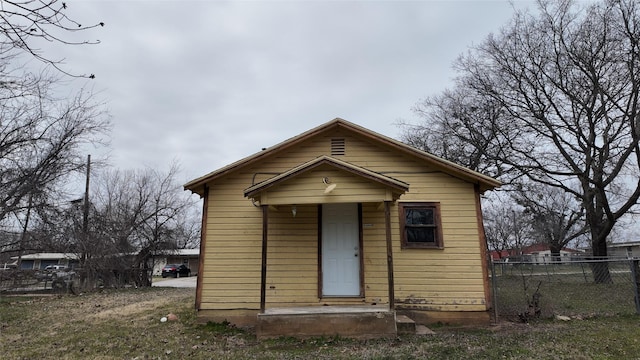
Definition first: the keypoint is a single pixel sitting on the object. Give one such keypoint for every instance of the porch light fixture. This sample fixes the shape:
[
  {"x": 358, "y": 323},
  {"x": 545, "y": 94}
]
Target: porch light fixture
[
  {"x": 294, "y": 210},
  {"x": 330, "y": 186}
]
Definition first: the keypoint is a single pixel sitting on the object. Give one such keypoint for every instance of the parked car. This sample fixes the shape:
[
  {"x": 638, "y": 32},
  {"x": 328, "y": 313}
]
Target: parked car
[
  {"x": 57, "y": 268},
  {"x": 52, "y": 271},
  {"x": 175, "y": 270}
]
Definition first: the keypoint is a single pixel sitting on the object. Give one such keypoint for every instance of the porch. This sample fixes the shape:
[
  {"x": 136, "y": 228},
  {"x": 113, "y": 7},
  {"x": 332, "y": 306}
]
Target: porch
[{"x": 326, "y": 197}]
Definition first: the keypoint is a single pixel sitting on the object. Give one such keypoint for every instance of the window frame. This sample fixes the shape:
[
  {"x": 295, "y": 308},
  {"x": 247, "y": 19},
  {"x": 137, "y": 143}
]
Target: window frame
[{"x": 435, "y": 206}]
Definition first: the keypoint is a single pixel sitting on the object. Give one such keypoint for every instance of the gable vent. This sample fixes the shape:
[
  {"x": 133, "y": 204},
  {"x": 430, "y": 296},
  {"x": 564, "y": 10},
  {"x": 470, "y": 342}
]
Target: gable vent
[{"x": 337, "y": 146}]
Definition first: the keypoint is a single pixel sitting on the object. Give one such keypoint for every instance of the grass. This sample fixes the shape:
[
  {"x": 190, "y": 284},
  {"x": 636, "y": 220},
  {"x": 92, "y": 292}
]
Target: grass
[{"x": 125, "y": 324}]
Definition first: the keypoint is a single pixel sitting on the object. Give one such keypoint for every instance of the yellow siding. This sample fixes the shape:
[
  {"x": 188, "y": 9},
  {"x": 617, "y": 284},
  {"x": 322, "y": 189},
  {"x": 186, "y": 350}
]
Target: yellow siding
[
  {"x": 375, "y": 254},
  {"x": 449, "y": 279},
  {"x": 232, "y": 253}
]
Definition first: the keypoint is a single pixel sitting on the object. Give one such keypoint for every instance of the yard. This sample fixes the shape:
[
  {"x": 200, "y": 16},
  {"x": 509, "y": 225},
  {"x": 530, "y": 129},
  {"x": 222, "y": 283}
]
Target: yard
[
  {"x": 125, "y": 324},
  {"x": 567, "y": 289}
]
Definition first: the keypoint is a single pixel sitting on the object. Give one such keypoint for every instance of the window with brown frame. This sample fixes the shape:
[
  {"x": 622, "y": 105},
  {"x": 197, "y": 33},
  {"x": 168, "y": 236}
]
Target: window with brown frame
[{"x": 420, "y": 225}]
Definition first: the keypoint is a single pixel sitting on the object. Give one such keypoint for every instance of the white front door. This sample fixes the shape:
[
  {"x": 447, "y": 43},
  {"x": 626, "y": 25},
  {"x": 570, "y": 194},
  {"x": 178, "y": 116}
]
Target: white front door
[{"x": 340, "y": 250}]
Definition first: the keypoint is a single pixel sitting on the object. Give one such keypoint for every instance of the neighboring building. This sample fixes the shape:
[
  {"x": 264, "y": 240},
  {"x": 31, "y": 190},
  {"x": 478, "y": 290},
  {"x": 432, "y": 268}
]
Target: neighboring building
[
  {"x": 336, "y": 217},
  {"x": 189, "y": 257},
  {"x": 536, "y": 253},
  {"x": 40, "y": 261},
  {"x": 625, "y": 250},
  {"x": 541, "y": 254},
  {"x": 503, "y": 255}
]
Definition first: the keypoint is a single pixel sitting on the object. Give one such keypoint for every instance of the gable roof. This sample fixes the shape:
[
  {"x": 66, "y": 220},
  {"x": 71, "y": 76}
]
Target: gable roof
[
  {"x": 484, "y": 182},
  {"x": 540, "y": 247},
  {"x": 322, "y": 160}
]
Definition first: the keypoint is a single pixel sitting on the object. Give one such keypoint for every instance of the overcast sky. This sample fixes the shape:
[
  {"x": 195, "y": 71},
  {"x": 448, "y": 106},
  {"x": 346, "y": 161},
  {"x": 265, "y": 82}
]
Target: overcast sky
[{"x": 209, "y": 82}]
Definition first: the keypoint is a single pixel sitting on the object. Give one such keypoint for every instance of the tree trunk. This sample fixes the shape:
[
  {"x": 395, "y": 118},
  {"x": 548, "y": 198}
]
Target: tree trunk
[
  {"x": 555, "y": 253},
  {"x": 599, "y": 266},
  {"x": 600, "y": 228}
]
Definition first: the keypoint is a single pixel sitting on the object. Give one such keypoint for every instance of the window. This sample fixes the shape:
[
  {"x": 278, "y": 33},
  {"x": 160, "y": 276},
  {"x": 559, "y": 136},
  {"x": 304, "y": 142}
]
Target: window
[{"x": 420, "y": 225}]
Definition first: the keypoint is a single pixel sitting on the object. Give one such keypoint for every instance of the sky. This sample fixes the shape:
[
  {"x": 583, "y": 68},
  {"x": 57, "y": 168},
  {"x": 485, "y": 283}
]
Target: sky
[{"x": 206, "y": 83}]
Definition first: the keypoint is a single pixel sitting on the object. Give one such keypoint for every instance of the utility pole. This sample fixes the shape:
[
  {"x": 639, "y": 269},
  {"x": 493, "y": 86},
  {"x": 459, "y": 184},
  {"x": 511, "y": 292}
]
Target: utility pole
[
  {"x": 85, "y": 217},
  {"x": 85, "y": 227},
  {"x": 25, "y": 227}
]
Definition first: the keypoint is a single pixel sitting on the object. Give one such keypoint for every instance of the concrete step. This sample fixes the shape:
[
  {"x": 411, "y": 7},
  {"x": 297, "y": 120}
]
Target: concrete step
[
  {"x": 423, "y": 330},
  {"x": 405, "y": 325}
]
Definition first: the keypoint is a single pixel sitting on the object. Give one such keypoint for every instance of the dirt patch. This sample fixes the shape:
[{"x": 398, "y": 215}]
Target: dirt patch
[
  {"x": 109, "y": 305},
  {"x": 509, "y": 326},
  {"x": 128, "y": 310}
]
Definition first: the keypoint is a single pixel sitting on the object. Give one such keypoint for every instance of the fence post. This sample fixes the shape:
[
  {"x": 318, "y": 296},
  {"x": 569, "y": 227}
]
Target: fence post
[
  {"x": 586, "y": 281},
  {"x": 634, "y": 277},
  {"x": 494, "y": 290},
  {"x": 546, "y": 269}
]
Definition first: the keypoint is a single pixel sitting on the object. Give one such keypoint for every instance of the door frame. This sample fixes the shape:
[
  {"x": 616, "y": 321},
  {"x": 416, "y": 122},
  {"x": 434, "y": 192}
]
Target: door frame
[{"x": 360, "y": 255}]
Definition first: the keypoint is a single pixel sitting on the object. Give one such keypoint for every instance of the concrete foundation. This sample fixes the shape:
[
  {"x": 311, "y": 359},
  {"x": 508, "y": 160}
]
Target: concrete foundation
[
  {"x": 351, "y": 322},
  {"x": 239, "y": 318},
  {"x": 361, "y": 322}
]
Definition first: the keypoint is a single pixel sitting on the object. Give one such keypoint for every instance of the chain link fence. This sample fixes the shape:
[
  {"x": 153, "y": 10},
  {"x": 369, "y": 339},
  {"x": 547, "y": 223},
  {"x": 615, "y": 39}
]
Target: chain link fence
[
  {"x": 574, "y": 287},
  {"x": 71, "y": 280}
]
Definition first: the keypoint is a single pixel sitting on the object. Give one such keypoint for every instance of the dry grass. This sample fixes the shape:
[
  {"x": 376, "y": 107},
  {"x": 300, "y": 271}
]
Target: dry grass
[{"x": 126, "y": 324}]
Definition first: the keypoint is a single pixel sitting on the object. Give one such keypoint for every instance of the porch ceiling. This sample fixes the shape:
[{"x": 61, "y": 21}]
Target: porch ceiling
[{"x": 326, "y": 180}]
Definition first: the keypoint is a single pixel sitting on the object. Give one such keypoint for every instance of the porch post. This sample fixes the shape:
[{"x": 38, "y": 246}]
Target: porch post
[
  {"x": 263, "y": 275},
  {"x": 387, "y": 220}
]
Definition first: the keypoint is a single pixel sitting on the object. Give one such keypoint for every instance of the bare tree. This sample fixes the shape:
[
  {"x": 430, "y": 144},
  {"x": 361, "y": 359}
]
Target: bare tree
[
  {"x": 57, "y": 228},
  {"x": 188, "y": 234},
  {"x": 41, "y": 134},
  {"x": 42, "y": 140},
  {"x": 161, "y": 225},
  {"x": 142, "y": 212},
  {"x": 26, "y": 23},
  {"x": 568, "y": 80},
  {"x": 464, "y": 127},
  {"x": 556, "y": 217},
  {"x": 505, "y": 231}
]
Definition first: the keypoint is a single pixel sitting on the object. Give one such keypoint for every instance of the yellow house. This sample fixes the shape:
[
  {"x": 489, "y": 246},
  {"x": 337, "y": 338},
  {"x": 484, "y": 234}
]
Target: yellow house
[{"x": 341, "y": 230}]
